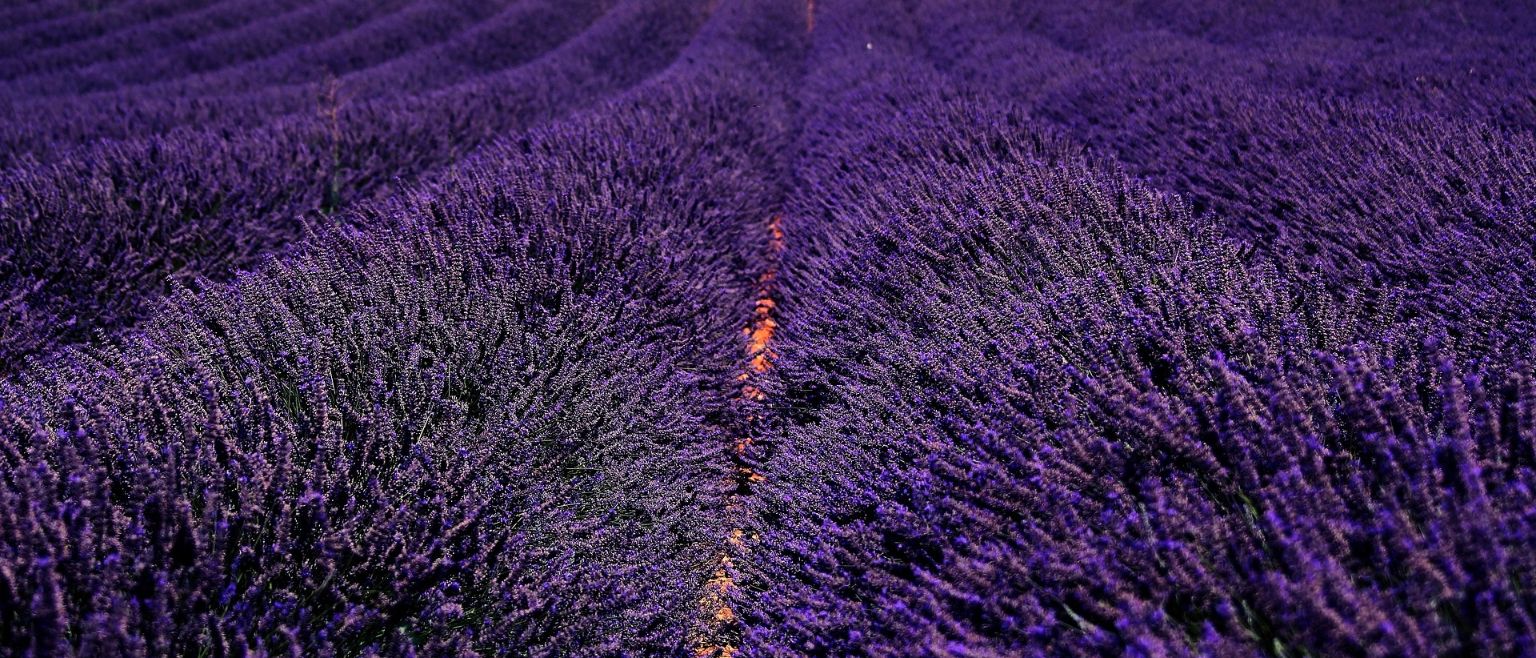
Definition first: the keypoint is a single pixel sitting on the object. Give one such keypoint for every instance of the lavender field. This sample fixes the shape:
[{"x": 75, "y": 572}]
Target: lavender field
[{"x": 767, "y": 328}]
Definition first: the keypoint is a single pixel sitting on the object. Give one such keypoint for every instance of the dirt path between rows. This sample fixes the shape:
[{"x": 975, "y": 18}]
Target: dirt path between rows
[{"x": 722, "y": 629}]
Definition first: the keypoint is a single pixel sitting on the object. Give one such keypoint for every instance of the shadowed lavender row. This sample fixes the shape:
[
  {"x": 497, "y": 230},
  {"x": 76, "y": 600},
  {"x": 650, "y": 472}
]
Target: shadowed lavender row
[
  {"x": 490, "y": 422},
  {"x": 89, "y": 240},
  {"x": 486, "y": 416},
  {"x": 1025, "y": 404}
]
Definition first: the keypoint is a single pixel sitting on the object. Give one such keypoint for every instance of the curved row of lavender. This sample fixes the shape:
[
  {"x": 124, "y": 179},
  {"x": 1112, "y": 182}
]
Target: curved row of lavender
[
  {"x": 1103, "y": 328},
  {"x": 102, "y": 238},
  {"x": 1151, "y": 343},
  {"x": 486, "y": 415}
]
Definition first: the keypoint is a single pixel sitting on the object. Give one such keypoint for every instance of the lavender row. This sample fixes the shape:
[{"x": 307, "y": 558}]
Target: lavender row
[
  {"x": 1029, "y": 407},
  {"x": 134, "y": 38},
  {"x": 1026, "y": 405},
  {"x": 489, "y": 423},
  {"x": 42, "y": 128},
  {"x": 56, "y": 22},
  {"x": 272, "y": 34},
  {"x": 92, "y": 240},
  {"x": 1361, "y": 194},
  {"x": 1387, "y": 153},
  {"x": 414, "y": 28}
]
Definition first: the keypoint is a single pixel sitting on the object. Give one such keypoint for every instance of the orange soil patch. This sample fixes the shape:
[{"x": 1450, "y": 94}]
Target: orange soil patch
[{"x": 721, "y": 626}]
